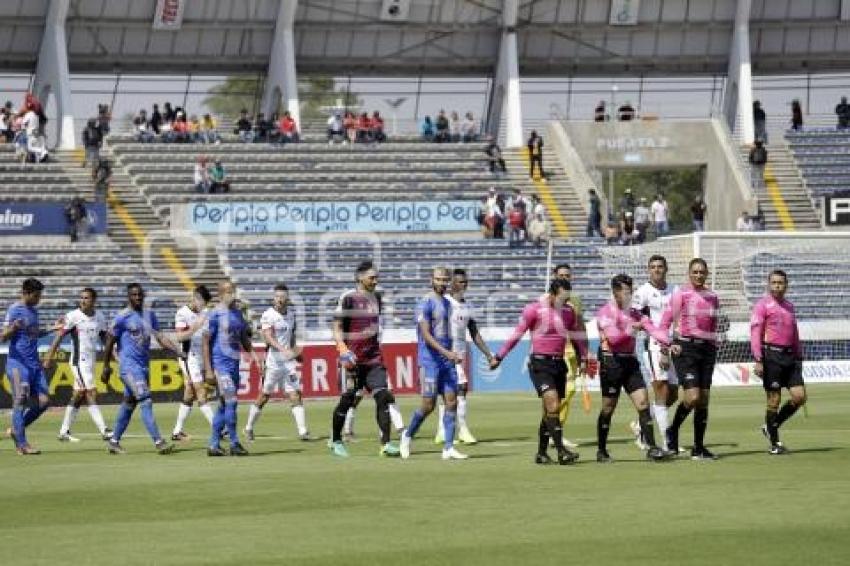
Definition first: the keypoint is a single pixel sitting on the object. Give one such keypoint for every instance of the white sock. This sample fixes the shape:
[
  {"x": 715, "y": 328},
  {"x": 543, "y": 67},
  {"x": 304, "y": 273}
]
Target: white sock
[
  {"x": 348, "y": 427},
  {"x": 441, "y": 410},
  {"x": 182, "y": 414},
  {"x": 207, "y": 411},
  {"x": 396, "y": 418},
  {"x": 97, "y": 417},
  {"x": 253, "y": 415},
  {"x": 660, "y": 414},
  {"x": 70, "y": 413},
  {"x": 300, "y": 419},
  {"x": 461, "y": 413}
]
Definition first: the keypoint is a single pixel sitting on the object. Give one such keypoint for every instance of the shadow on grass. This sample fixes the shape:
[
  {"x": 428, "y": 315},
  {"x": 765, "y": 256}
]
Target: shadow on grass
[{"x": 790, "y": 453}]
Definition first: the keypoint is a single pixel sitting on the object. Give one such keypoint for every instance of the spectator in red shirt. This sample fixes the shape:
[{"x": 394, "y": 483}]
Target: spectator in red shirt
[
  {"x": 364, "y": 125},
  {"x": 378, "y": 127},
  {"x": 288, "y": 129},
  {"x": 179, "y": 130},
  {"x": 516, "y": 221},
  {"x": 350, "y": 125}
]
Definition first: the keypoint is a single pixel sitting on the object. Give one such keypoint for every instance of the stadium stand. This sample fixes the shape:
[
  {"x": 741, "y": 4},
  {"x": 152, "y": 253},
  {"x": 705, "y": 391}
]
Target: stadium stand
[{"x": 823, "y": 155}]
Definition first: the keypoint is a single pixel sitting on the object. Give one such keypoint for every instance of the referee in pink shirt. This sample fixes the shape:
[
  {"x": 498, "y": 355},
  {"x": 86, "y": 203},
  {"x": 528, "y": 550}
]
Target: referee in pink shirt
[{"x": 776, "y": 347}]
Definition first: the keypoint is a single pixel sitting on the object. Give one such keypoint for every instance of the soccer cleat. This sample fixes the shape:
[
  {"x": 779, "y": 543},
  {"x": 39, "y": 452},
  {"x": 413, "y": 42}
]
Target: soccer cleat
[
  {"x": 702, "y": 454},
  {"x": 237, "y": 449},
  {"x": 778, "y": 449},
  {"x": 215, "y": 451},
  {"x": 634, "y": 426},
  {"x": 180, "y": 437},
  {"x": 453, "y": 454},
  {"x": 404, "y": 446},
  {"x": 543, "y": 459},
  {"x": 163, "y": 447},
  {"x": 657, "y": 454},
  {"x": 389, "y": 449},
  {"x": 567, "y": 457},
  {"x": 603, "y": 457},
  {"x": 27, "y": 450},
  {"x": 249, "y": 434},
  {"x": 440, "y": 437},
  {"x": 305, "y": 437},
  {"x": 465, "y": 437},
  {"x": 339, "y": 449},
  {"x": 106, "y": 434},
  {"x": 66, "y": 437},
  {"x": 114, "y": 447},
  {"x": 673, "y": 440}
]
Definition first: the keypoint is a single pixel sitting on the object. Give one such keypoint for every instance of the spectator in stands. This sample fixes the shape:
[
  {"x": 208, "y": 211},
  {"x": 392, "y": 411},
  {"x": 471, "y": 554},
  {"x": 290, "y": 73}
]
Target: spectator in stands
[
  {"x": 209, "y": 130},
  {"x": 156, "y": 119},
  {"x": 442, "y": 127},
  {"x": 626, "y": 112},
  {"x": 642, "y": 216},
  {"x": 202, "y": 180},
  {"x": 517, "y": 200},
  {"x": 494, "y": 156},
  {"x": 104, "y": 117},
  {"x": 349, "y": 122},
  {"x": 6, "y": 125},
  {"x": 843, "y": 113},
  {"x": 92, "y": 142},
  {"x": 288, "y": 129},
  {"x": 426, "y": 129},
  {"x": 37, "y": 149},
  {"x": 180, "y": 132},
  {"x": 244, "y": 129},
  {"x": 142, "y": 127},
  {"x": 796, "y": 115},
  {"x": 612, "y": 233},
  {"x": 537, "y": 206},
  {"x": 600, "y": 114},
  {"x": 336, "y": 131},
  {"x": 195, "y": 129},
  {"x": 19, "y": 139},
  {"x": 535, "y": 155},
  {"x": 759, "y": 122},
  {"x": 377, "y": 130},
  {"x": 744, "y": 224},
  {"x": 516, "y": 224},
  {"x": 32, "y": 104},
  {"x": 262, "y": 128},
  {"x": 468, "y": 131},
  {"x": 169, "y": 114},
  {"x": 659, "y": 215},
  {"x": 629, "y": 234},
  {"x": 758, "y": 158},
  {"x": 364, "y": 127},
  {"x": 594, "y": 217},
  {"x": 101, "y": 176},
  {"x": 698, "y": 209},
  {"x": 75, "y": 213},
  {"x": 499, "y": 230},
  {"x": 538, "y": 230},
  {"x": 758, "y": 219},
  {"x": 627, "y": 203},
  {"x": 454, "y": 127},
  {"x": 218, "y": 178}
]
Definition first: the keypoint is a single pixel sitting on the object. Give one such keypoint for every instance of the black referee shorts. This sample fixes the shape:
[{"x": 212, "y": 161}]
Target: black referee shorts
[
  {"x": 781, "y": 369},
  {"x": 548, "y": 373},
  {"x": 619, "y": 372},
  {"x": 695, "y": 365},
  {"x": 368, "y": 377}
]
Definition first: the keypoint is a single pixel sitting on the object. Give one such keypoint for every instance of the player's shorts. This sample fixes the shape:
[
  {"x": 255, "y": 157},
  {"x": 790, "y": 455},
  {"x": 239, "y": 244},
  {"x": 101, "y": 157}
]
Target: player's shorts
[
  {"x": 460, "y": 371},
  {"x": 283, "y": 378},
  {"x": 369, "y": 377},
  {"x": 781, "y": 369},
  {"x": 136, "y": 382},
  {"x": 228, "y": 382},
  {"x": 695, "y": 365},
  {"x": 193, "y": 369},
  {"x": 83, "y": 374},
  {"x": 25, "y": 380},
  {"x": 546, "y": 373},
  {"x": 437, "y": 379},
  {"x": 652, "y": 359},
  {"x": 619, "y": 371}
]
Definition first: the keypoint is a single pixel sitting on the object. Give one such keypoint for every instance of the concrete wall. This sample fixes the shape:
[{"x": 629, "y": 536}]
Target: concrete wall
[{"x": 670, "y": 144}]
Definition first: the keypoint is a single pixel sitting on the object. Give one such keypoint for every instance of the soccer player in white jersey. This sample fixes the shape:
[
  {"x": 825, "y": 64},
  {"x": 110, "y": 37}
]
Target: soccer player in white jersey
[
  {"x": 87, "y": 327},
  {"x": 189, "y": 316},
  {"x": 462, "y": 319},
  {"x": 652, "y": 299},
  {"x": 278, "y": 328}
]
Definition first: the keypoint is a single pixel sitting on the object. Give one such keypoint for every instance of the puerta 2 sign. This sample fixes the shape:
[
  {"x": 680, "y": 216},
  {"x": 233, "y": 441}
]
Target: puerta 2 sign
[{"x": 275, "y": 217}]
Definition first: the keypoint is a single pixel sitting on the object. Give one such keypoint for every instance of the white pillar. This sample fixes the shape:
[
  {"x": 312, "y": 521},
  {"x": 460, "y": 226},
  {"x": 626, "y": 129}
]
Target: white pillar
[
  {"x": 738, "y": 97},
  {"x": 281, "y": 74},
  {"x": 51, "y": 73},
  {"x": 505, "y": 95}
]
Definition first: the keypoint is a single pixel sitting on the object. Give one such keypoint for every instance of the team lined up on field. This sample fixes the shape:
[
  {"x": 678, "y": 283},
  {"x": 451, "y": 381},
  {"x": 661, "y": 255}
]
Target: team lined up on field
[{"x": 679, "y": 324}]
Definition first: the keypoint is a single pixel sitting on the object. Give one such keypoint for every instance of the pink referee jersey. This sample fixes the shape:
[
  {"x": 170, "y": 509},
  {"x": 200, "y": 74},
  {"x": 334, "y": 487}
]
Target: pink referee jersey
[
  {"x": 774, "y": 322},
  {"x": 616, "y": 328},
  {"x": 550, "y": 329},
  {"x": 695, "y": 310}
]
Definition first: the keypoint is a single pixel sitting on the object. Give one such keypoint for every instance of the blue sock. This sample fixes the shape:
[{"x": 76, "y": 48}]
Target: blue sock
[
  {"x": 18, "y": 426},
  {"x": 217, "y": 426},
  {"x": 122, "y": 421},
  {"x": 230, "y": 421},
  {"x": 32, "y": 414},
  {"x": 147, "y": 418},
  {"x": 415, "y": 422},
  {"x": 449, "y": 419}
]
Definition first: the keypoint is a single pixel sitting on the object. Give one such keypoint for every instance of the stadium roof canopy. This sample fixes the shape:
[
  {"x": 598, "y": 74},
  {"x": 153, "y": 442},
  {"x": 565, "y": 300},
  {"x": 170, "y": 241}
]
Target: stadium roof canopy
[{"x": 439, "y": 37}]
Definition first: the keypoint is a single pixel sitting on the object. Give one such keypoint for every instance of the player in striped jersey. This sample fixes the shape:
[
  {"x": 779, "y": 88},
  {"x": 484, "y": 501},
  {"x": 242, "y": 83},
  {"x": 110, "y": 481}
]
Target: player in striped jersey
[
  {"x": 278, "y": 327},
  {"x": 190, "y": 316},
  {"x": 87, "y": 327}
]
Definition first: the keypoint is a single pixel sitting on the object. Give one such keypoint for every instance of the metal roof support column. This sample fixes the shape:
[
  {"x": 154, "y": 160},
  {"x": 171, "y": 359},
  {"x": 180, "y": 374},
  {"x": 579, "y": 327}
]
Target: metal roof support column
[
  {"x": 738, "y": 95},
  {"x": 505, "y": 97},
  {"x": 281, "y": 74},
  {"x": 51, "y": 73}
]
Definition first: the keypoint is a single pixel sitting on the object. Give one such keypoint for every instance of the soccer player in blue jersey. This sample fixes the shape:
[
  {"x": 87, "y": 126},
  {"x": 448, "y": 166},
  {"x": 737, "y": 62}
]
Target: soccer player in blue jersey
[
  {"x": 132, "y": 330},
  {"x": 23, "y": 367},
  {"x": 437, "y": 373},
  {"x": 225, "y": 333}
]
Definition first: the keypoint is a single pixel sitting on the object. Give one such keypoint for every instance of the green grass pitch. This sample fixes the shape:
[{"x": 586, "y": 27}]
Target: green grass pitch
[{"x": 292, "y": 503}]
